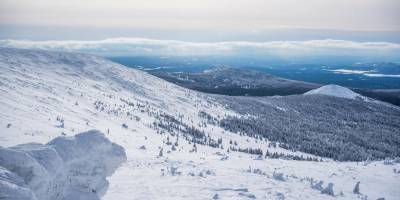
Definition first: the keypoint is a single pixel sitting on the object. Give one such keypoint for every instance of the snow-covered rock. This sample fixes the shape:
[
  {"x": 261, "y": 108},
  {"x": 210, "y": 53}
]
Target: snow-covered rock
[
  {"x": 65, "y": 168},
  {"x": 336, "y": 91},
  {"x": 14, "y": 187}
]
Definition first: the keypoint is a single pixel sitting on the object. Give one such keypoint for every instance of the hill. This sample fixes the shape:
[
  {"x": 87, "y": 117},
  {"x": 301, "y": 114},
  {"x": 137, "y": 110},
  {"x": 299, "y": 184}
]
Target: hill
[{"x": 236, "y": 82}]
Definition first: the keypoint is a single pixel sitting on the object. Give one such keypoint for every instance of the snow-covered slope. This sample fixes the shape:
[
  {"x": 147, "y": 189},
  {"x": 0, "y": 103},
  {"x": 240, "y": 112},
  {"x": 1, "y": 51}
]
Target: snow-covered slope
[
  {"x": 48, "y": 94},
  {"x": 53, "y": 89},
  {"x": 336, "y": 91}
]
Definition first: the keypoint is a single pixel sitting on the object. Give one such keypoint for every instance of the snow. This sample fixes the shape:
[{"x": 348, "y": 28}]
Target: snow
[
  {"x": 364, "y": 72},
  {"x": 65, "y": 168},
  {"x": 384, "y": 75},
  {"x": 349, "y": 71},
  {"x": 336, "y": 91},
  {"x": 42, "y": 90}
]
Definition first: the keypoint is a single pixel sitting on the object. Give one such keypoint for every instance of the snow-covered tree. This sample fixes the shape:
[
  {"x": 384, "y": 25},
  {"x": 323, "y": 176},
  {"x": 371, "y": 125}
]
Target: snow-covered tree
[
  {"x": 356, "y": 189},
  {"x": 160, "y": 154},
  {"x": 328, "y": 190}
]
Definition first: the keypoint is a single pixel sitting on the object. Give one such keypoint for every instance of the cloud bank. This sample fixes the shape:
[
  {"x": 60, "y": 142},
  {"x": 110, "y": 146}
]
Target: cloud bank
[{"x": 153, "y": 47}]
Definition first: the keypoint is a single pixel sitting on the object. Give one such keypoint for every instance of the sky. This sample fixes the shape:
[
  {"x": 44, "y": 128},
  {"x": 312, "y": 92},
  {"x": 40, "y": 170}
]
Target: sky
[
  {"x": 188, "y": 16},
  {"x": 195, "y": 24}
]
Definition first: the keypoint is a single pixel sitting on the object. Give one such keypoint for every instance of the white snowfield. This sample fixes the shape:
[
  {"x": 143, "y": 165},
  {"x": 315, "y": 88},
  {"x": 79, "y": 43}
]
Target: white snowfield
[
  {"x": 48, "y": 94},
  {"x": 65, "y": 168},
  {"x": 336, "y": 91}
]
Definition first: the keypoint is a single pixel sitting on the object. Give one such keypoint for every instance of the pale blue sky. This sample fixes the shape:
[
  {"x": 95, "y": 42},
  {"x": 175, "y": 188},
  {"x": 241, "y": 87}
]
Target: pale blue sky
[{"x": 201, "y": 20}]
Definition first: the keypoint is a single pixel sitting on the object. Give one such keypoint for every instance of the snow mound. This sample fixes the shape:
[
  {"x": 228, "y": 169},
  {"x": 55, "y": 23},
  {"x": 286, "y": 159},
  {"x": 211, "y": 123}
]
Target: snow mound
[
  {"x": 336, "y": 91},
  {"x": 65, "y": 168}
]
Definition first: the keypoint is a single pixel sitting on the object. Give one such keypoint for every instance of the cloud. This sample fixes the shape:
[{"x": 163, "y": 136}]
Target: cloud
[{"x": 154, "y": 47}]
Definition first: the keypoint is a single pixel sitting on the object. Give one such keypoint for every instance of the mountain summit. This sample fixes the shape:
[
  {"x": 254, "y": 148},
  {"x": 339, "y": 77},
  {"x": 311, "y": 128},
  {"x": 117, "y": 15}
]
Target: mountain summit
[{"x": 336, "y": 91}]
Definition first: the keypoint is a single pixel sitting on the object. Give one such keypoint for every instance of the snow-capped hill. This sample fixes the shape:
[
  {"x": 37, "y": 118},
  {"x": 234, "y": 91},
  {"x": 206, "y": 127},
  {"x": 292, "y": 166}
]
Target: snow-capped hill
[{"x": 336, "y": 91}]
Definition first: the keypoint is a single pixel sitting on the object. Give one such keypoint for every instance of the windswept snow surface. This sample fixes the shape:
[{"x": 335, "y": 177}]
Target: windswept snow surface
[
  {"x": 73, "y": 167},
  {"x": 48, "y": 94},
  {"x": 336, "y": 91}
]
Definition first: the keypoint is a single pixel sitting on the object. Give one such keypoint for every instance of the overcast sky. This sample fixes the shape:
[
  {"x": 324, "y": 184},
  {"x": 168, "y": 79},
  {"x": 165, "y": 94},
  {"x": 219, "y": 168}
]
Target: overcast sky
[
  {"x": 38, "y": 19},
  {"x": 366, "y": 28}
]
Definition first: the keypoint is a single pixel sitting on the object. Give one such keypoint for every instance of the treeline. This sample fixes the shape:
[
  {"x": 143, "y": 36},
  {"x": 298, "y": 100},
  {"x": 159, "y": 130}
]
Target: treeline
[
  {"x": 342, "y": 129},
  {"x": 165, "y": 122},
  {"x": 276, "y": 155}
]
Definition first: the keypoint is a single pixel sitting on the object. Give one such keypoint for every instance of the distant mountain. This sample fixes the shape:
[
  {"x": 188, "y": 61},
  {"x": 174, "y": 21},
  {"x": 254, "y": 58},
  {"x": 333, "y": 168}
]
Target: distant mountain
[
  {"x": 244, "y": 82},
  {"x": 236, "y": 82}
]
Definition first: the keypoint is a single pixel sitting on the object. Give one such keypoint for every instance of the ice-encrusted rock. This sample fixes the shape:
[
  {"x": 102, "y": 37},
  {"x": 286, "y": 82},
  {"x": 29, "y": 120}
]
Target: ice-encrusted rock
[
  {"x": 336, "y": 91},
  {"x": 65, "y": 168},
  {"x": 14, "y": 187}
]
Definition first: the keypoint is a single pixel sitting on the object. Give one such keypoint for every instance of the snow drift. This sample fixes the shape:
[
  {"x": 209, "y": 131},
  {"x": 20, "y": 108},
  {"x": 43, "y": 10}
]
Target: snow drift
[{"x": 65, "y": 168}]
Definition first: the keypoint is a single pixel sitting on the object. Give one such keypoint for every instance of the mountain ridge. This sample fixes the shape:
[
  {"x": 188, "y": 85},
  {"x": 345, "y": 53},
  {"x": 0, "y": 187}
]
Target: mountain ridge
[{"x": 174, "y": 144}]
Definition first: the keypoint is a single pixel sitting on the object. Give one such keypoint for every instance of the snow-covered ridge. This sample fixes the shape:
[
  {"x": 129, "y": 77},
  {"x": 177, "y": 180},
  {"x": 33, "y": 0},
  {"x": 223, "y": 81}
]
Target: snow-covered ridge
[
  {"x": 336, "y": 91},
  {"x": 48, "y": 94},
  {"x": 65, "y": 168},
  {"x": 66, "y": 85}
]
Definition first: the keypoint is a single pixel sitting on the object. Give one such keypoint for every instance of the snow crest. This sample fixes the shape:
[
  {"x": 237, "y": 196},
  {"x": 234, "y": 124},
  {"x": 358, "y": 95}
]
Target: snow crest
[
  {"x": 336, "y": 91},
  {"x": 65, "y": 168}
]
